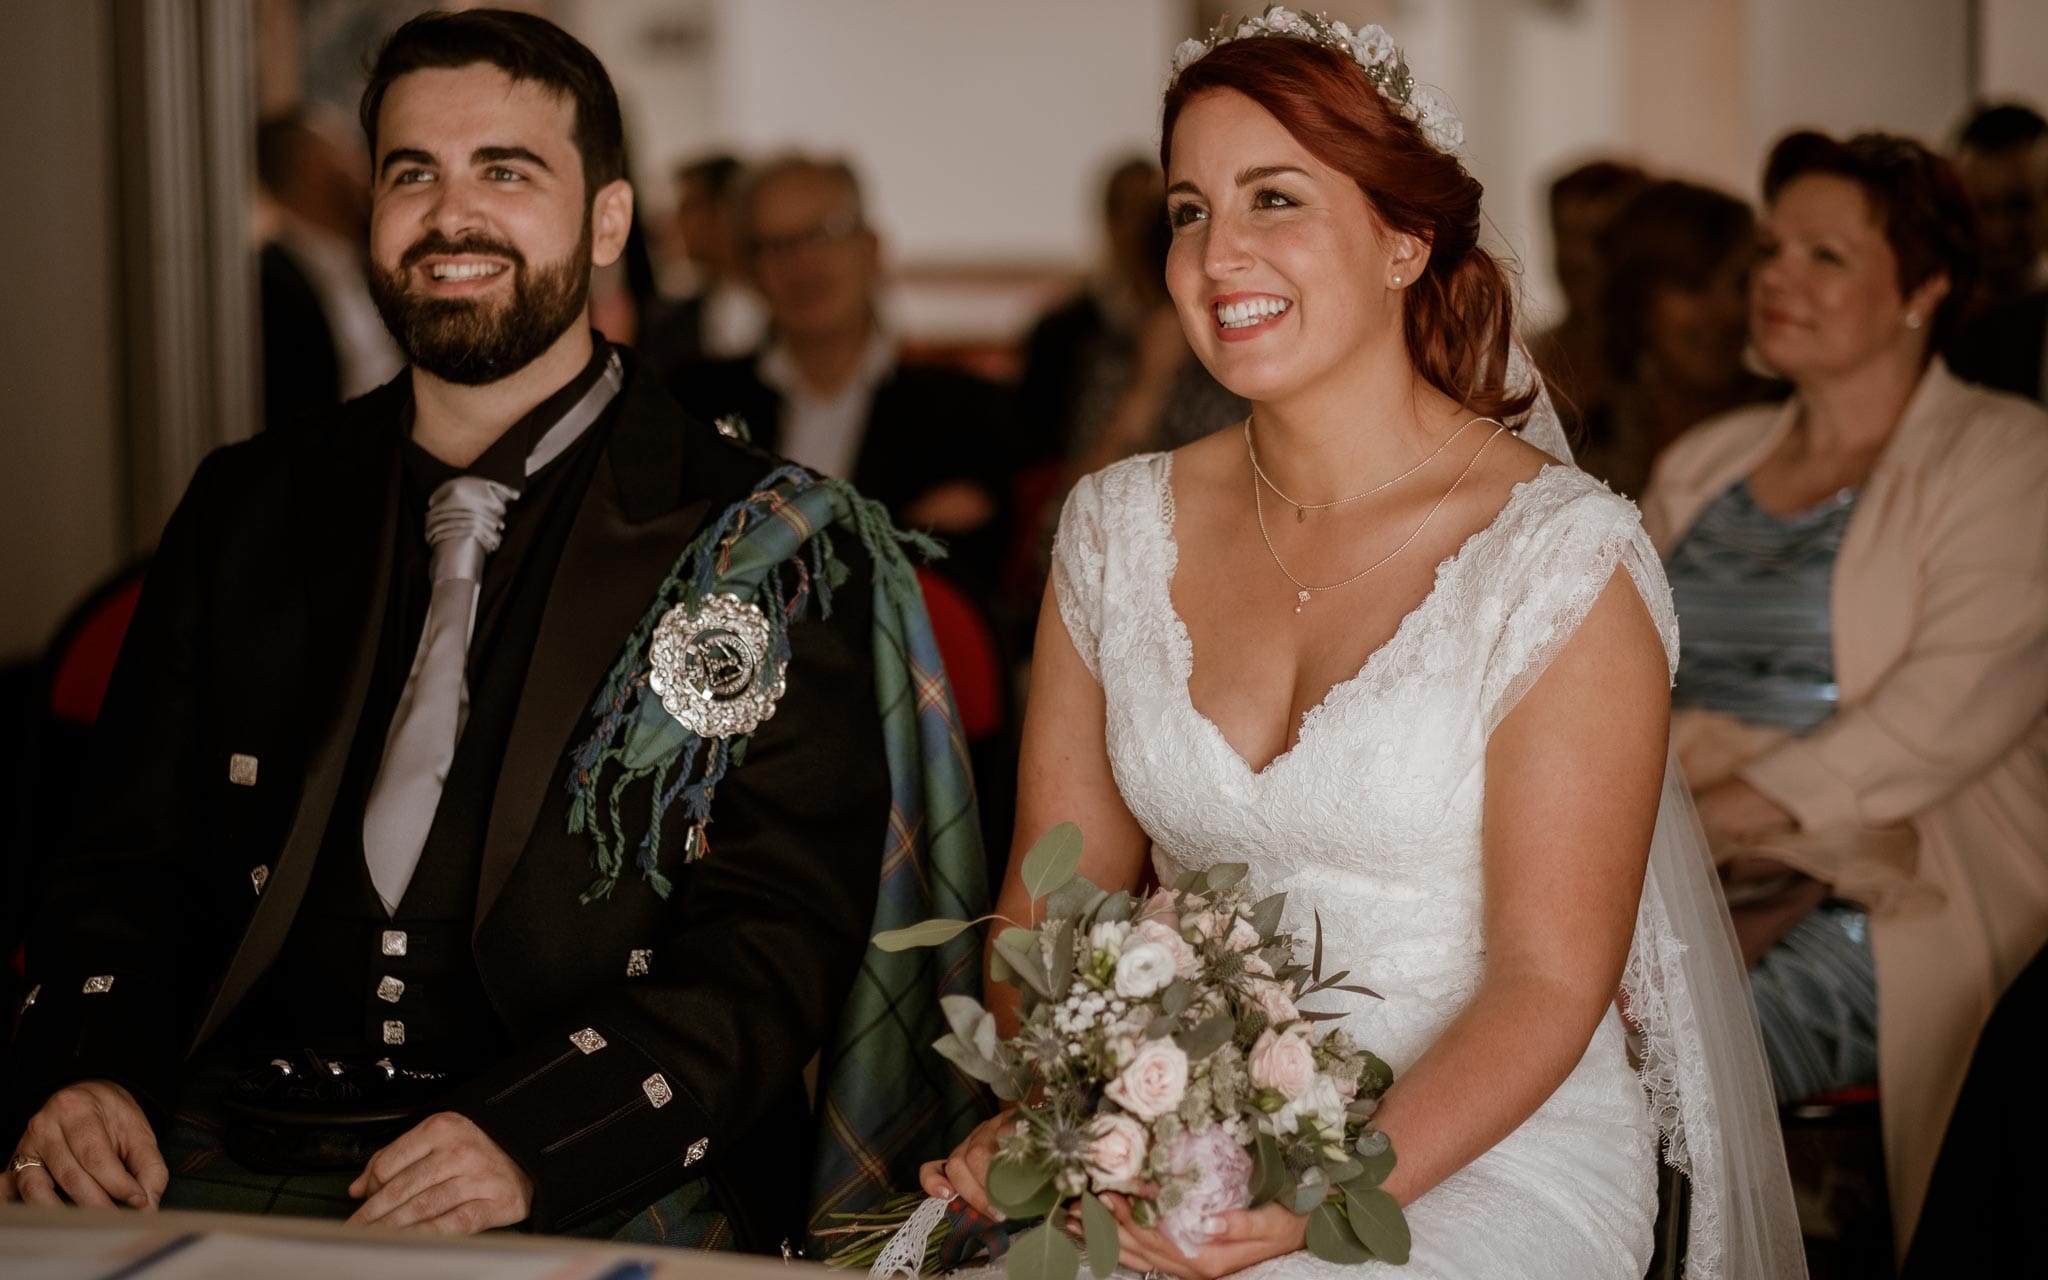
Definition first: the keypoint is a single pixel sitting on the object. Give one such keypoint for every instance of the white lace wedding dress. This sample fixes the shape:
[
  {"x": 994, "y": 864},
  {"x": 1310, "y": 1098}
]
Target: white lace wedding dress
[{"x": 1373, "y": 819}]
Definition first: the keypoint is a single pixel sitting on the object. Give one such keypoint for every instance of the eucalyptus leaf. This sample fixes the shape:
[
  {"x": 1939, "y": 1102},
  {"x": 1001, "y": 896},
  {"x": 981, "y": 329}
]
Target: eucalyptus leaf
[
  {"x": 1177, "y": 997},
  {"x": 1073, "y": 900},
  {"x": 963, "y": 1014},
  {"x": 1374, "y": 1169},
  {"x": 1161, "y": 1027},
  {"x": 1309, "y": 1191},
  {"x": 1042, "y": 1253},
  {"x": 1021, "y": 1188},
  {"x": 1376, "y": 1219},
  {"x": 1053, "y": 860},
  {"x": 1188, "y": 882},
  {"x": 1117, "y": 906},
  {"x": 1026, "y": 965},
  {"x": 964, "y": 1056},
  {"x": 1225, "y": 875},
  {"x": 1061, "y": 969},
  {"x": 1207, "y": 1037},
  {"x": 999, "y": 969},
  {"x": 1270, "y": 1179},
  {"x": 1099, "y": 1225},
  {"x": 1331, "y": 1238},
  {"x": 1265, "y": 915},
  {"x": 925, "y": 933}
]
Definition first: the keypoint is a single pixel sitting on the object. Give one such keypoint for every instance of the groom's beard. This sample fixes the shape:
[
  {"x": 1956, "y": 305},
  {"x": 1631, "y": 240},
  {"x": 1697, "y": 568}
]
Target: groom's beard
[{"x": 471, "y": 341}]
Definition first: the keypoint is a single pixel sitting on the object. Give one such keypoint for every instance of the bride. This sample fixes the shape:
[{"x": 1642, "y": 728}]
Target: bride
[{"x": 1414, "y": 671}]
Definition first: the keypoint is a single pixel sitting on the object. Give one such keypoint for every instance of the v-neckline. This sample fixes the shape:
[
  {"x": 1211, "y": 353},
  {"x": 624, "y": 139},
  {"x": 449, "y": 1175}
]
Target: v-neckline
[{"x": 1185, "y": 677}]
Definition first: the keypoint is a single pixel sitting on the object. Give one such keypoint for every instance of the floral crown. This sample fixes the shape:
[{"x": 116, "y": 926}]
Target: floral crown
[{"x": 1370, "y": 47}]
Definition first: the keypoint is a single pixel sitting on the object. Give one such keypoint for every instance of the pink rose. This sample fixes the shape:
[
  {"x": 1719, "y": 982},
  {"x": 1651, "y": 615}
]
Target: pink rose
[
  {"x": 1153, "y": 1082},
  {"x": 1242, "y": 936},
  {"x": 1186, "y": 964},
  {"x": 1272, "y": 999},
  {"x": 1283, "y": 1062},
  {"x": 1116, "y": 1153}
]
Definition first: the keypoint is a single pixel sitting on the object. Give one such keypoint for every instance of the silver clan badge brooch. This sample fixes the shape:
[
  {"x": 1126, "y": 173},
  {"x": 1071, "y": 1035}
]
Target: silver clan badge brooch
[{"x": 707, "y": 667}]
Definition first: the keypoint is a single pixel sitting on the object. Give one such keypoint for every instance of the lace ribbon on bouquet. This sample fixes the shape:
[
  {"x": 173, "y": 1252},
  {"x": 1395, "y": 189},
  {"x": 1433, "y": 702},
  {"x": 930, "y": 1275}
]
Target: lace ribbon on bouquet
[{"x": 904, "y": 1254}]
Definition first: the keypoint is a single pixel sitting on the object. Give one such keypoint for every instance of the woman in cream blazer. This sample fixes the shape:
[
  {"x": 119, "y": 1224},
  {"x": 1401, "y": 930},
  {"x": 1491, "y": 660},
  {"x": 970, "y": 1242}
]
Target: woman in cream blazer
[{"x": 1939, "y": 599}]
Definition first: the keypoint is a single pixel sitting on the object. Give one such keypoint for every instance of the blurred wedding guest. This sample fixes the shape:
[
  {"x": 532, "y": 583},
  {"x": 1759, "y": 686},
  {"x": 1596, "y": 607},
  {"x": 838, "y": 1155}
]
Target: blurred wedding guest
[
  {"x": 322, "y": 339},
  {"x": 1675, "y": 320},
  {"x": 1572, "y": 353},
  {"x": 2002, "y": 155},
  {"x": 830, "y": 391},
  {"x": 723, "y": 316},
  {"x": 1862, "y": 578}
]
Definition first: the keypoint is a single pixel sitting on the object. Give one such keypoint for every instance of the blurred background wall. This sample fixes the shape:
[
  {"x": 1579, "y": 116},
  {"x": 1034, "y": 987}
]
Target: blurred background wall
[{"x": 983, "y": 128}]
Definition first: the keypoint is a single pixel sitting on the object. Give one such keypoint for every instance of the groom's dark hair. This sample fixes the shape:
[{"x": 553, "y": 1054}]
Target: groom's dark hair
[{"x": 524, "y": 47}]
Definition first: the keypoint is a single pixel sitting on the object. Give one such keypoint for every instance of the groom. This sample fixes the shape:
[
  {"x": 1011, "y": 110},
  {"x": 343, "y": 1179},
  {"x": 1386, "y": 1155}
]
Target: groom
[{"x": 328, "y": 901}]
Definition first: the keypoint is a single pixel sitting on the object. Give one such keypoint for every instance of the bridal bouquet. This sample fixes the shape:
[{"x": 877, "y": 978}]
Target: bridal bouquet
[{"x": 1163, "y": 1055}]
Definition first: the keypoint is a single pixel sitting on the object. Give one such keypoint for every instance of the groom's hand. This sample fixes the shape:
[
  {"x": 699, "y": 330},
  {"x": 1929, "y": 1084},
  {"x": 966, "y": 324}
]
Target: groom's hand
[
  {"x": 443, "y": 1175},
  {"x": 90, "y": 1144}
]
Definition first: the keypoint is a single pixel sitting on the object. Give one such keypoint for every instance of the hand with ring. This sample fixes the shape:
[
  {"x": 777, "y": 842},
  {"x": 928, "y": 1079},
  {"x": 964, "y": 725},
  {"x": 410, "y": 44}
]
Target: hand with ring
[{"x": 89, "y": 1144}]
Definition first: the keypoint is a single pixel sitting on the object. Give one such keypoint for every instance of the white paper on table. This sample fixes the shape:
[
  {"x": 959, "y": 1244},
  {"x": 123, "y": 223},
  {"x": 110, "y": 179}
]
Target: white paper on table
[
  {"x": 227, "y": 1256},
  {"x": 71, "y": 1253}
]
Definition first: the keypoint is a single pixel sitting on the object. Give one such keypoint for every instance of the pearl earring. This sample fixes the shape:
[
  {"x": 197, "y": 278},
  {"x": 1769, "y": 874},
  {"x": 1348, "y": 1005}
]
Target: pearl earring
[
  {"x": 1912, "y": 320},
  {"x": 1397, "y": 280}
]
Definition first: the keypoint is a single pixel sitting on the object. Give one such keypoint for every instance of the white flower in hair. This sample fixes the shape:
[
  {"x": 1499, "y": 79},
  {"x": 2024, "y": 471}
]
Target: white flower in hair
[
  {"x": 1433, "y": 115},
  {"x": 1371, "y": 46}
]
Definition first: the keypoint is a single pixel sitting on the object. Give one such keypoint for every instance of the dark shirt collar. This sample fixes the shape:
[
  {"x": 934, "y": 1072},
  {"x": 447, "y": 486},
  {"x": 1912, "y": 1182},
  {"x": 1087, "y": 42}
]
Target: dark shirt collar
[{"x": 505, "y": 460}]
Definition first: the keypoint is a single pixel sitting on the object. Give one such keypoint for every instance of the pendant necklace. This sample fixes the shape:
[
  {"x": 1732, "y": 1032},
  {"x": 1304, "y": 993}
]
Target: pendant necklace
[
  {"x": 1302, "y": 589},
  {"x": 1301, "y": 509}
]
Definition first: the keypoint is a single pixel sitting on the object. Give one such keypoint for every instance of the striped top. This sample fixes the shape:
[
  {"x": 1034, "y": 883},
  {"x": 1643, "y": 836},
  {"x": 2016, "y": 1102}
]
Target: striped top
[{"x": 1752, "y": 591}]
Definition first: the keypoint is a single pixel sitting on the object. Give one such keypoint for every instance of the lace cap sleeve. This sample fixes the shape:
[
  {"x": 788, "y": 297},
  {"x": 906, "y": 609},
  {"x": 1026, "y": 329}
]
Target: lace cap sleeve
[
  {"x": 1566, "y": 551},
  {"x": 1077, "y": 560}
]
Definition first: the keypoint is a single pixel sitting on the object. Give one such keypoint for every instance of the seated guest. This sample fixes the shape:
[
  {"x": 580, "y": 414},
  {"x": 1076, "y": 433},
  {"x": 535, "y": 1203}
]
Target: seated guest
[
  {"x": 424, "y": 880},
  {"x": 723, "y": 316},
  {"x": 829, "y": 390},
  {"x": 322, "y": 340},
  {"x": 1573, "y": 352},
  {"x": 1861, "y": 575},
  {"x": 1675, "y": 319},
  {"x": 2002, "y": 155}
]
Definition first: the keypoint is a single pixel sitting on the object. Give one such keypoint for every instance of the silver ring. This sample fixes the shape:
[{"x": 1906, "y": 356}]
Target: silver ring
[{"x": 25, "y": 1162}]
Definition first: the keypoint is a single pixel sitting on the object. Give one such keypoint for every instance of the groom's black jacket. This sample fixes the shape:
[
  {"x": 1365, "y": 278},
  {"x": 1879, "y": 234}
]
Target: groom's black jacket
[{"x": 256, "y": 637}]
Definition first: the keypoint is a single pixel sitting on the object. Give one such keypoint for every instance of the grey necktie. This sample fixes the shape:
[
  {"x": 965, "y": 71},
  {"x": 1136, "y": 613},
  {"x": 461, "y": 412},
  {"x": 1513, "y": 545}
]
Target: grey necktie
[{"x": 465, "y": 521}]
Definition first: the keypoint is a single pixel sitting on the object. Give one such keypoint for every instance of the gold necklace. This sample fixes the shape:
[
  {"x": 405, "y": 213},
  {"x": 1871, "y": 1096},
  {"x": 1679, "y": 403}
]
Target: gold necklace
[
  {"x": 1301, "y": 509},
  {"x": 1302, "y": 589}
]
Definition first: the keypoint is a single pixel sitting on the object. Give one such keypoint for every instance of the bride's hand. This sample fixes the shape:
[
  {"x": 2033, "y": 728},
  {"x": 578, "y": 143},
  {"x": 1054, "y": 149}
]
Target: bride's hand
[
  {"x": 965, "y": 1172},
  {"x": 1243, "y": 1237}
]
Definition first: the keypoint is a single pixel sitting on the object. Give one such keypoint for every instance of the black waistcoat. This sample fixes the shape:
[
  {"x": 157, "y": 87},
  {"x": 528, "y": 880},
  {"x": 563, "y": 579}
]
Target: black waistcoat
[{"x": 351, "y": 981}]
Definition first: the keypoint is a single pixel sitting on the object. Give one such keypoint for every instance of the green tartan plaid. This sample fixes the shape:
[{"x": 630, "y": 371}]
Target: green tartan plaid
[
  {"x": 204, "y": 1176},
  {"x": 887, "y": 1101}
]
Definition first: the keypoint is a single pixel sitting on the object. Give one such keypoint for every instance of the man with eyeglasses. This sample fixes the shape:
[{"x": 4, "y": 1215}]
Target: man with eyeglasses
[{"x": 829, "y": 390}]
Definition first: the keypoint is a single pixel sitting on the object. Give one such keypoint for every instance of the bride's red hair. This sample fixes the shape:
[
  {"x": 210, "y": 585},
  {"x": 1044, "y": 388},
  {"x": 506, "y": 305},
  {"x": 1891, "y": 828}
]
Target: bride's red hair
[{"x": 1460, "y": 316}]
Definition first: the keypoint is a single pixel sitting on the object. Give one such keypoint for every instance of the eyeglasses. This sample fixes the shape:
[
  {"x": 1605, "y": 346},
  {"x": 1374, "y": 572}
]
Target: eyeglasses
[{"x": 830, "y": 231}]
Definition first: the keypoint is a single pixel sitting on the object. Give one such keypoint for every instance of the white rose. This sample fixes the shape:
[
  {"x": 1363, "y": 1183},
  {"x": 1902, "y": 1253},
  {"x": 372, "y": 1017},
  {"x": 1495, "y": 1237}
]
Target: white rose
[
  {"x": 1433, "y": 115},
  {"x": 1143, "y": 970},
  {"x": 1189, "y": 52},
  {"x": 1371, "y": 45},
  {"x": 1154, "y": 1081},
  {"x": 1109, "y": 936},
  {"x": 1282, "y": 1062},
  {"x": 1116, "y": 1153},
  {"x": 1186, "y": 963}
]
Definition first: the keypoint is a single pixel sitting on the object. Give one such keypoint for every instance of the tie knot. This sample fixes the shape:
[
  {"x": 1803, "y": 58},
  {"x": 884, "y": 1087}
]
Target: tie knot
[{"x": 465, "y": 522}]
